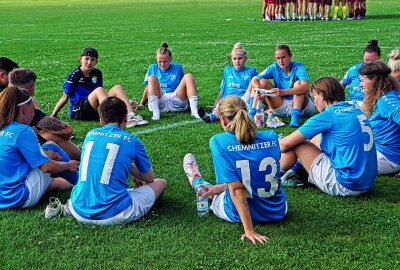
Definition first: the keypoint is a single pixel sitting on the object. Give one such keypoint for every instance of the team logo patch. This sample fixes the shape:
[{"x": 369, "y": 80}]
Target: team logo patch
[
  {"x": 172, "y": 76},
  {"x": 94, "y": 79},
  {"x": 246, "y": 77}
]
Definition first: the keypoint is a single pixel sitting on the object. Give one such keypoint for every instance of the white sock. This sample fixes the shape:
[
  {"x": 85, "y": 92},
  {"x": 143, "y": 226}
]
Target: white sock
[
  {"x": 193, "y": 106},
  {"x": 153, "y": 102}
]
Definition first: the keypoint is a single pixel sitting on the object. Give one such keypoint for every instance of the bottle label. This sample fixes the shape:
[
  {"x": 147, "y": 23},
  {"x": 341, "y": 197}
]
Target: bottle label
[
  {"x": 259, "y": 119},
  {"x": 202, "y": 206}
]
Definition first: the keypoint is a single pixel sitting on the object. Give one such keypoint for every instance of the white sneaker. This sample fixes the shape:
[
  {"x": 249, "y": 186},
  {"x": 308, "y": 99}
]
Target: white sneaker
[
  {"x": 56, "y": 209},
  {"x": 190, "y": 167},
  {"x": 135, "y": 120}
]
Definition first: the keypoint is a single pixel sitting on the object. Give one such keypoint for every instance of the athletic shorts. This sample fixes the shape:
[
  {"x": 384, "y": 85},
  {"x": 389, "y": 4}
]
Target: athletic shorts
[
  {"x": 287, "y": 106},
  {"x": 271, "y": 2},
  {"x": 314, "y": 1},
  {"x": 84, "y": 111},
  {"x": 143, "y": 199},
  {"x": 386, "y": 166},
  {"x": 170, "y": 102},
  {"x": 351, "y": 1},
  {"x": 217, "y": 206},
  {"x": 280, "y": 2},
  {"x": 326, "y": 2},
  {"x": 37, "y": 182},
  {"x": 323, "y": 175}
]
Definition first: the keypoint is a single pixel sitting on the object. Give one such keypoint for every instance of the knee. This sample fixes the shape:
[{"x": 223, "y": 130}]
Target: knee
[
  {"x": 153, "y": 80},
  {"x": 189, "y": 78},
  {"x": 162, "y": 183}
]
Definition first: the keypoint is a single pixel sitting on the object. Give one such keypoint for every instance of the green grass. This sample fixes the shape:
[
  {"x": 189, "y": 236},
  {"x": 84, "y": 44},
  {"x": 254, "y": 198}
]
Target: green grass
[{"x": 320, "y": 232}]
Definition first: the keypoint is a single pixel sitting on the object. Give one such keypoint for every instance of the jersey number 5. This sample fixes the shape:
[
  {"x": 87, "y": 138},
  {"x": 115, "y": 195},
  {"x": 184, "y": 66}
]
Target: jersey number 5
[
  {"x": 368, "y": 130},
  {"x": 244, "y": 167},
  {"x": 109, "y": 163}
]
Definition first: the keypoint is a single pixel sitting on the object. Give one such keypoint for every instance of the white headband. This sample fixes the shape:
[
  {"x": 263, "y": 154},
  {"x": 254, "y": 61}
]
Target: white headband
[{"x": 24, "y": 102}]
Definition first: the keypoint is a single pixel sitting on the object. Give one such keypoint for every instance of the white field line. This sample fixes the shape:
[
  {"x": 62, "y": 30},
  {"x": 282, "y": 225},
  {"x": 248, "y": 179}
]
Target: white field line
[
  {"x": 56, "y": 40},
  {"x": 166, "y": 127}
]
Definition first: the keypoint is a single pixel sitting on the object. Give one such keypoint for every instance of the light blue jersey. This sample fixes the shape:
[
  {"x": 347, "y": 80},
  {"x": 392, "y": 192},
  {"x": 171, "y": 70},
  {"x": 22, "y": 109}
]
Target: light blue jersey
[
  {"x": 107, "y": 155},
  {"x": 385, "y": 123},
  {"x": 356, "y": 91},
  {"x": 235, "y": 82},
  {"x": 281, "y": 79},
  {"x": 346, "y": 138},
  {"x": 20, "y": 152},
  {"x": 257, "y": 167},
  {"x": 169, "y": 79}
]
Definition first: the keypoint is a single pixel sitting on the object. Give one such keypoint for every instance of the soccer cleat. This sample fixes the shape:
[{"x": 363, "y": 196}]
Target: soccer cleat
[
  {"x": 190, "y": 167},
  {"x": 293, "y": 182},
  {"x": 203, "y": 115},
  {"x": 135, "y": 120},
  {"x": 264, "y": 92},
  {"x": 56, "y": 209}
]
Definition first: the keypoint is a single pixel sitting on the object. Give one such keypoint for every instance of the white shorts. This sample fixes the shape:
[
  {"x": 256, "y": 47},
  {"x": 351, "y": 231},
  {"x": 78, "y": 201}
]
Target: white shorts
[
  {"x": 143, "y": 199},
  {"x": 37, "y": 182},
  {"x": 170, "y": 102},
  {"x": 322, "y": 174},
  {"x": 386, "y": 166},
  {"x": 287, "y": 106},
  {"x": 217, "y": 206}
]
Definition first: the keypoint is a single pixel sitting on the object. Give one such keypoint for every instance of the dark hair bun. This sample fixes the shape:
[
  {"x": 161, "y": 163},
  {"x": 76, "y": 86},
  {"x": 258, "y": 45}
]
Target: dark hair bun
[
  {"x": 373, "y": 42},
  {"x": 164, "y": 45}
]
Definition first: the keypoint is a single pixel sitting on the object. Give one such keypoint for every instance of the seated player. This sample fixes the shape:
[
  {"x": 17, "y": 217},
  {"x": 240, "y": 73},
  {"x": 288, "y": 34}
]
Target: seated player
[
  {"x": 6, "y": 66},
  {"x": 235, "y": 81},
  {"x": 168, "y": 89},
  {"x": 371, "y": 52},
  {"x": 344, "y": 162},
  {"x": 382, "y": 106},
  {"x": 291, "y": 84},
  {"x": 84, "y": 89},
  {"x": 109, "y": 155},
  {"x": 246, "y": 164},
  {"x": 25, "y": 168},
  {"x": 47, "y": 128},
  {"x": 394, "y": 64}
]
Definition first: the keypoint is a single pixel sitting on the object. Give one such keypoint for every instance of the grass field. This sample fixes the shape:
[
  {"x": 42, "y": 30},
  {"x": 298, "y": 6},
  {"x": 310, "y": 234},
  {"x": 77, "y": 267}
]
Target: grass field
[{"x": 320, "y": 232}]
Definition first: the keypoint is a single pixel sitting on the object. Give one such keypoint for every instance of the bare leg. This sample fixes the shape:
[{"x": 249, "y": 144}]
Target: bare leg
[
  {"x": 119, "y": 92},
  {"x": 306, "y": 152},
  {"x": 58, "y": 184},
  {"x": 143, "y": 101},
  {"x": 158, "y": 186},
  {"x": 69, "y": 147}
]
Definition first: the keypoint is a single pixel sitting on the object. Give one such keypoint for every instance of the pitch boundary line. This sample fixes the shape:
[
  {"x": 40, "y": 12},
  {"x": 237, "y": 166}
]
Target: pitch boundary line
[{"x": 166, "y": 127}]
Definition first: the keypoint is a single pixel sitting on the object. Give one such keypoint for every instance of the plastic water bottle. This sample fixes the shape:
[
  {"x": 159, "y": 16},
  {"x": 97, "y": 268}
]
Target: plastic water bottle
[
  {"x": 259, "y": 117},
  {"x": 202, "y": 201}
]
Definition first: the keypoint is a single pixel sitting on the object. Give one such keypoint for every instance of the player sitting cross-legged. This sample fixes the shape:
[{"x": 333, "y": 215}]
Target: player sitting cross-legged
[{"x": 109, "y": 155}]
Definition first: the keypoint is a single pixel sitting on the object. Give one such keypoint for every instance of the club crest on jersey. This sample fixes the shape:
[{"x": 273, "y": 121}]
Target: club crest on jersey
[
  {"x": 172, "y": 76},
  {"x": 94, "y": 79},
  {"x": 246, "y": 77}
]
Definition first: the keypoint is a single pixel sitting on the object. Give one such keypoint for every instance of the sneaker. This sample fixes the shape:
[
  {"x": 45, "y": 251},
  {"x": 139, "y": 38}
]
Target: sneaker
[
  {"x": 134, "y": 105},
  {"x": 135, "y": 120},
  {"x": 190, "y": 167},
  {"x": 56, "y": 209},
  {"x": 293, "y": 182}
]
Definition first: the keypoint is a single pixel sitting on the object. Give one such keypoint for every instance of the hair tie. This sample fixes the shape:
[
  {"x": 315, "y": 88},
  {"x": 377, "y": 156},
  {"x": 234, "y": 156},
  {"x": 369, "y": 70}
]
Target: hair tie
[{"x": 24, "y": 102}]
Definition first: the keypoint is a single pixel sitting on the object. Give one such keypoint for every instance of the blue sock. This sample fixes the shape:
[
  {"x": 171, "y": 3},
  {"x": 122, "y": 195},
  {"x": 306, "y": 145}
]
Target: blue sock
[
  {"x": 71, "y": 177},
  {"x": 213, "y": 117},
  {"x": 200, "y": 181},
  {"x": 252, "y": 112},
  {"x": 295, "y": 115},
  {"x": 251, "y": 103}
]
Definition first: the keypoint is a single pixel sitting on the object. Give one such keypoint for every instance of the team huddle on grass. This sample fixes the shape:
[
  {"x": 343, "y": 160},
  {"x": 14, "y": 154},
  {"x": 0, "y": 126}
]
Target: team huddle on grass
[{"x": 342, "y": 148}]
